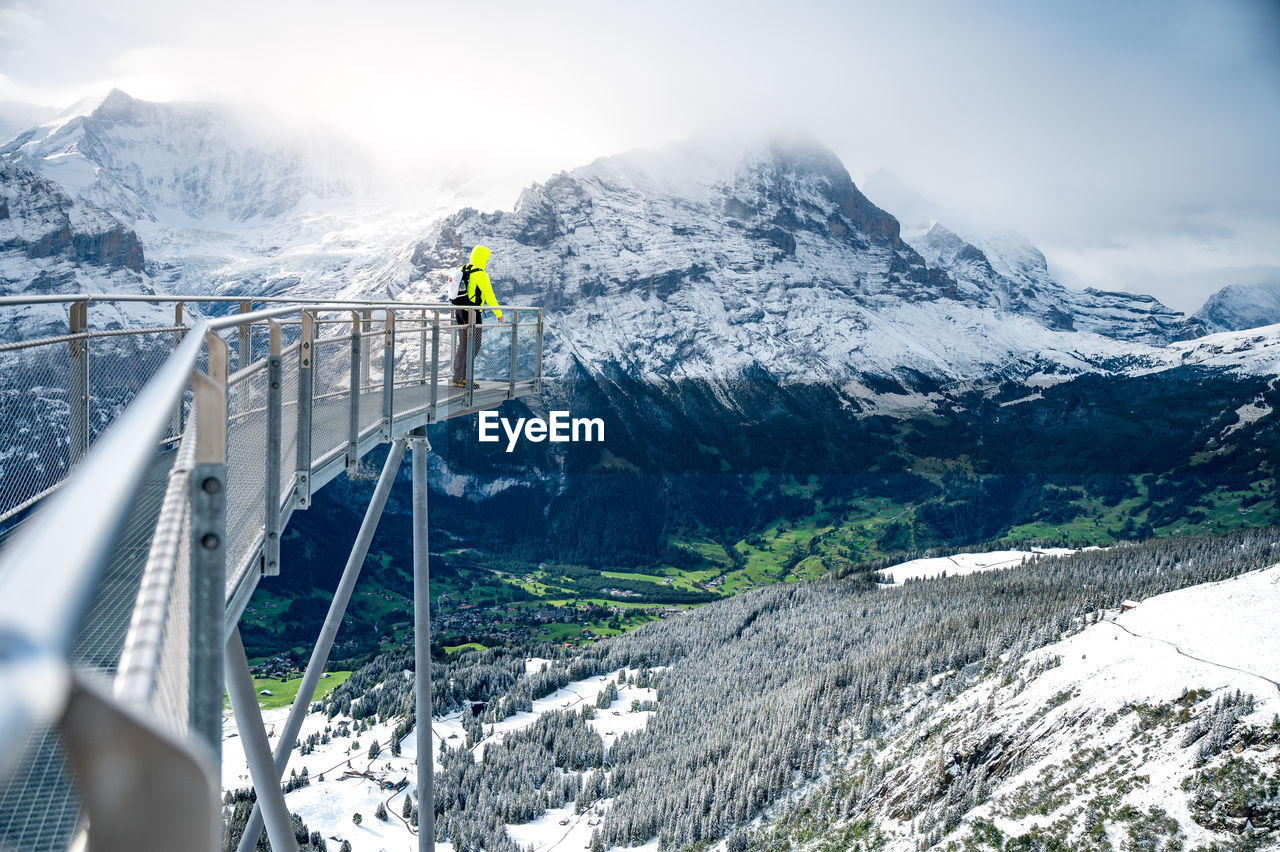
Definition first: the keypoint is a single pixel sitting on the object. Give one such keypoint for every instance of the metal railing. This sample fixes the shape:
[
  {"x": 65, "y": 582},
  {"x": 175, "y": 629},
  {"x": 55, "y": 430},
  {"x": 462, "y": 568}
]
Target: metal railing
[{"x": 147, "y": 472}]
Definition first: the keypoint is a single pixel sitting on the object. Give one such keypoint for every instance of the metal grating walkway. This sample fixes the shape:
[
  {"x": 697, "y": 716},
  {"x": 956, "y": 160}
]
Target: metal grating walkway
[{"x": 270, "y": 409}]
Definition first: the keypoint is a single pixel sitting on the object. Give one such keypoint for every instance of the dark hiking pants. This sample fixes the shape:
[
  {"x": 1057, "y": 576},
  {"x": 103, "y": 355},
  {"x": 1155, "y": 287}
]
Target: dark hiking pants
[{"x": 463, "y": 318}]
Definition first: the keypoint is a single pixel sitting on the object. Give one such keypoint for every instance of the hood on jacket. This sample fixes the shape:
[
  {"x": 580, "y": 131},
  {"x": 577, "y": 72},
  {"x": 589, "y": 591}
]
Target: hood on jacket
[{"x": 479, "y": 256}]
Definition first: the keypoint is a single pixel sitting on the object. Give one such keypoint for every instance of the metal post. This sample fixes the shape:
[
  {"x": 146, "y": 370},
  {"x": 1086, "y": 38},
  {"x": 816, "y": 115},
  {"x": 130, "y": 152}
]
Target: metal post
[
  {"x": 175, "y": 426},
  {"x": 388, "y": 375},
  {"x": 208, "y": 547},
  {"x": 435, "y": 364},
  {"x": 537, "y": 357},
  {"x": 366, "y": 326},
  {"x": 422, "y": 349},
  {"x": 332, "y": 621},
  {"x": 275, "y": 402},
  {"x": 353, "y": 412},
  {"x": 246, "y": 339},
  {"x": 422, "y": 646},
  {"x": 471, "y": 355},
  {"x": 306, "y": 388},
  {"x": 253, "y": 736},
  {"x": 515, "y": 349},
  {"x": 78, "y": 391}
]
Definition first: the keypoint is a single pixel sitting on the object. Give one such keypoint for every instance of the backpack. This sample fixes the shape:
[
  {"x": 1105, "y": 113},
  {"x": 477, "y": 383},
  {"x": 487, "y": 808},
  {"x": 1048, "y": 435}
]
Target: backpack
[{"x": 458, "y": 286}]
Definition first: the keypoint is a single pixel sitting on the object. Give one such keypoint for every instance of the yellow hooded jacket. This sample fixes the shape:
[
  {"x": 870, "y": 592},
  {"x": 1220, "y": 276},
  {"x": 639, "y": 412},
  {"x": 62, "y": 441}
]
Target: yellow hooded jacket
[{"x": 478, "y": 281}]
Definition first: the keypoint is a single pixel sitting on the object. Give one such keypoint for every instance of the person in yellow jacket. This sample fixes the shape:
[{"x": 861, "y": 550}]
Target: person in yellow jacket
[{"x": 469, "y": 287}]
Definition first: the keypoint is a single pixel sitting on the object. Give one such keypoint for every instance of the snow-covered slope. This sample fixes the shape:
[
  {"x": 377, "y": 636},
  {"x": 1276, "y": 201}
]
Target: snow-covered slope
[
  {"x": 167, "y": 161},
  {"x": 694, "y": 261},
  {"x": 1148, "y": 728},
  {"x": 17, "y": 116},
  {"x": 960, "y": 564},
  {"x": 52, "y": 243},
  {"x": 227, "y": 203},
  {"x": 1008, "y": 267},
  {"x": 335, "y": 791},
  {"x": 701, "y": 260},
  {"x": 1242, "y": 306}
]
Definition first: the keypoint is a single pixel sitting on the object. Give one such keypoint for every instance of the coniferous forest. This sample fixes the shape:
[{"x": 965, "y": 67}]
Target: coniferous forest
[{"x": 762, "y": 695}]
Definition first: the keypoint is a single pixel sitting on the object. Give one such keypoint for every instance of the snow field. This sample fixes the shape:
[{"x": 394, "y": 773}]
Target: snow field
[
  {"x": 1072, "y": 707},
  {"x": 327, "y": 806},
  {"x": 961, "y": 564}
]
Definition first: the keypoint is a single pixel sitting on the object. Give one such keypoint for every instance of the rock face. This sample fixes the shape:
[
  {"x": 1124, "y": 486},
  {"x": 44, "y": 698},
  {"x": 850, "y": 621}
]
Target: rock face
[
  {"x": 1009, "y": 273},
  {"x": 39, "y": 220},
  {"x": 51, "y": 243},
  {"x": 1240, "y": 306},
  {"x": 696, "y": 261}
]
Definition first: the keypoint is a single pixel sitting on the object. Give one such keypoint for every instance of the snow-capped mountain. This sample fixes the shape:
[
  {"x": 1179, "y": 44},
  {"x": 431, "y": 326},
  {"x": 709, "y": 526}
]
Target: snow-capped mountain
[
  {"x": 52, "y": 243},
  {"x": 17, "y": 116},
  {"x": 1241, "y": 306},
  {"x": 171, "y": 162},
  {"x": 694, "y": 261},
  {"x": 223, "y": 202},
  {"x": 699, "y": 260},
  {"x": 1012, "y": 274},
  {"x": 1008, "y": 266}
]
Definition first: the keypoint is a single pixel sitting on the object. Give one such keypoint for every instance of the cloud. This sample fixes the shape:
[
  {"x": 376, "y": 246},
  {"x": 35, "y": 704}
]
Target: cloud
[{"x": 1086, "y": 125}]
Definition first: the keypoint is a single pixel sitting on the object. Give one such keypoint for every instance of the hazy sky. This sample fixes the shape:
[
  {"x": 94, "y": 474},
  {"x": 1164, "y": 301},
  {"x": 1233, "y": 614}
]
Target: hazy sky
[{"x": 1137, "y": 143}]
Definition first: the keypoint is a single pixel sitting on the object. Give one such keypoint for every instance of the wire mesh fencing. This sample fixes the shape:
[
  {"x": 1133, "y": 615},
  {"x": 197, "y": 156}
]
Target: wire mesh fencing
[
  {"x": 35, "y": 453},
  {"x": 246, "y": 472},
  {"x": 60, "y": 394},
  {"x": 331, "y": 373}
]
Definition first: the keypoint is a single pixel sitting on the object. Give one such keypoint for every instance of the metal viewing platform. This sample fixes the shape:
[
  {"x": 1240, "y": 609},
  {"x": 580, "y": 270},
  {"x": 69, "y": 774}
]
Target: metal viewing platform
[{"x": 148, "y": 468}]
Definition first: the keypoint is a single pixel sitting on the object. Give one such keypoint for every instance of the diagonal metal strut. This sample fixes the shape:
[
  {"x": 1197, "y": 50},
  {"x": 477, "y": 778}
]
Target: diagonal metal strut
[
  {"x": 332, "y": 621},
  {"x": 257, "y": 749}
]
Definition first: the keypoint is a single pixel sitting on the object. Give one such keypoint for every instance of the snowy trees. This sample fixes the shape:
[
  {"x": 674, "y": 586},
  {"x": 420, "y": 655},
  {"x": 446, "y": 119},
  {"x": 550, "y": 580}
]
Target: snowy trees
[{"x": 762, "y": 692}]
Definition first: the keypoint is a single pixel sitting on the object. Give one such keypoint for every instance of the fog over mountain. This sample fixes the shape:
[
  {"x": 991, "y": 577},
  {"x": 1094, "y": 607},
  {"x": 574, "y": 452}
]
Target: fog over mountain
[{"x": 1090, "y": 129}]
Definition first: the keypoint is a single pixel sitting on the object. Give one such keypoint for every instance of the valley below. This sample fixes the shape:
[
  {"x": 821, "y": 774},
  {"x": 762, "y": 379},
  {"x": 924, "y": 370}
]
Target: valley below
[{"x": 896, "y": 543}]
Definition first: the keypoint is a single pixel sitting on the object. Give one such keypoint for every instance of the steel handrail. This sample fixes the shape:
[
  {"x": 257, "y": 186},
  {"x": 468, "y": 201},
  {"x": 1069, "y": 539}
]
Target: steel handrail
[
  {"x": 40, "y": 609},
  {"x": 54, "y": 562},
  {"x": 107, "y": 298}
]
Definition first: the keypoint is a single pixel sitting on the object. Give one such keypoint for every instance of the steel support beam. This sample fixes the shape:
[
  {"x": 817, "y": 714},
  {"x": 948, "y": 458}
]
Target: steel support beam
[
  {"x": 366, "y": 326},
  {"x": 388, "y": 375},
  {"x": 257, "y": 749},
  {"x": 332, "y": 621},
  {"x": 78, "y": 391},
  {"x": 208, "y": 548},
  {"x": 275, "y": 415},
  {"x": 306, "y": 393},
  {"x": 422, "y": 348},
  {"x": 537, "y": 362},
  {"x": 175, "y": 427},
  {"x": 515, "y": 350},
  {"x": 353, "y": 410},
  {"x": 471, "y": 356},
  {"x": 422, "y": 646},
  {"x": 435, "y": 365},
  {"x": 245, "y": 354}
]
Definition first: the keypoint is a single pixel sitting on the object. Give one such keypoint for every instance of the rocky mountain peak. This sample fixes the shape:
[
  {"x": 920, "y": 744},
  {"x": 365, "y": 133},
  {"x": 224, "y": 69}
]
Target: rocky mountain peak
[
  {"x": 117, "y": 105},
  {"x": 1240, "y": 306}
]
